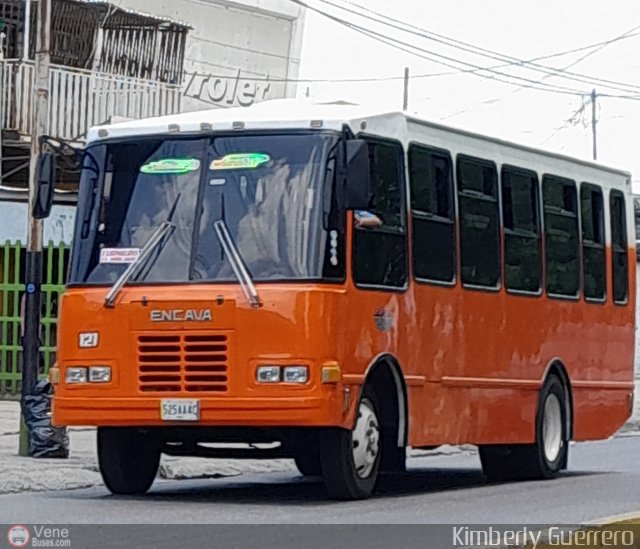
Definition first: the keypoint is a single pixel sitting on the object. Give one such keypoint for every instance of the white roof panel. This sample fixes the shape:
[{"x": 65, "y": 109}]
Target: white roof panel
[
  {"x": 282, "y": 114},
  {"x": 276, "y": 114}
]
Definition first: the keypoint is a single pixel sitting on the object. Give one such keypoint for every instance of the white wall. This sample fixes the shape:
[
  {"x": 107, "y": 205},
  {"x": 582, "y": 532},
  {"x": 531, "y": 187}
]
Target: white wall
[
  {"x": 233, "y": 41},
  {"x": 57, "y": 229}
]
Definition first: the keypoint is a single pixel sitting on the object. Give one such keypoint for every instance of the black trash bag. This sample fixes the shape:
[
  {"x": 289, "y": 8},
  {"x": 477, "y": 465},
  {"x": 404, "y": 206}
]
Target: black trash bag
[{"x": 45, "y": 440}]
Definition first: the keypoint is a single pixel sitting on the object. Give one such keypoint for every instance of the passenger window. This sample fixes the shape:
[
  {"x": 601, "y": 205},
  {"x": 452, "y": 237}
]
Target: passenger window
[
  {"x": 522, "y": 242},
  {"x": 619, "y": 248},
  {"x": 432, "y": 213},
  {"x": 593, "y": 242},
  {"x": 380, "y": 254},
  {"x": 561, "y": 236},
  {"x": 479, "y": 222}
]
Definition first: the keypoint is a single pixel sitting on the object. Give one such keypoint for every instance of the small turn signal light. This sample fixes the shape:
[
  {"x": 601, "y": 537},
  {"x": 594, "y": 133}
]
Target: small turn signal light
[
  {"x": 331, "y": 372},
  {"x": 54, "y": 375}
]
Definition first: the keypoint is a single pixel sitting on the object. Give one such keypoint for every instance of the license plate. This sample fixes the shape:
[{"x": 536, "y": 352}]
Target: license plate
[{"x": 180, "y": 410}]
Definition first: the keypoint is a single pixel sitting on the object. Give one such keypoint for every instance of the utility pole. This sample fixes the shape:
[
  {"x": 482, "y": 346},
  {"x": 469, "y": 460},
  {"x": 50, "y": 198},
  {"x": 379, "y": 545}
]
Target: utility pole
[
  {"x": 405, "y": 103},
  {"x": 27, "y": 31},
  {"x": 594, "y": 122},
  {"x": 2, "y": 38},
  {"x": 39, "y": 127}
]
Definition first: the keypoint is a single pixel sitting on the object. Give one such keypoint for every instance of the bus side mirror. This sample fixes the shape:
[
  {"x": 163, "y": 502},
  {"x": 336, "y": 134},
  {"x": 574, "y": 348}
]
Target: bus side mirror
[
  {"x": 357, "y": 192},
  {"x": 45, "y": 180}
]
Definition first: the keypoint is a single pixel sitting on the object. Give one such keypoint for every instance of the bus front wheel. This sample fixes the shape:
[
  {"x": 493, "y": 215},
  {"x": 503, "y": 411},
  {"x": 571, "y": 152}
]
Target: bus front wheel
[
  {"x": 547, "y": 455},
  {"x": 351, "y": 459},
  {"x": 128, "y": 460}
]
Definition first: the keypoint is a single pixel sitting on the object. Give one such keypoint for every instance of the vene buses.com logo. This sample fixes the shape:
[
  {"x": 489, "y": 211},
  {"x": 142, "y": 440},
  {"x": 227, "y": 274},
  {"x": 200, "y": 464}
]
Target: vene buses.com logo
[{"x": 18, "y": 536}]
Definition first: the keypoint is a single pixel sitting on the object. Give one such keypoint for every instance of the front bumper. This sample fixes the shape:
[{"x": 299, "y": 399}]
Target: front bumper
[{"x": 296, "y": 411}]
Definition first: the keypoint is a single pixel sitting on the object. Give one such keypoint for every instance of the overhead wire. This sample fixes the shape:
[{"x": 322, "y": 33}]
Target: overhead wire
[
  {"x": 312, "y": 80},
  {"x": 406, "y": 27},
  {"x": 476, "y": 69},
  {"x": 441, "y": 59},
  {"x": 569, "y": 121}
]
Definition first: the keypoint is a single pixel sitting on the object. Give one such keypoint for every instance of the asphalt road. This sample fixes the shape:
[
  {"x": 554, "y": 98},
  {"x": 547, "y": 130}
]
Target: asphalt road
[
  {"x": 603, "y": 480},
  {"x": 275, "y": 511}
]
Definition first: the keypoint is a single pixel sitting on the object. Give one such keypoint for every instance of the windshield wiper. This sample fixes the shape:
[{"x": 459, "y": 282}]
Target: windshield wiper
[
  {"x": 151, "y": 245},
  {"x": 156, "y": 238},
  {"x": 237, "y": 263}
]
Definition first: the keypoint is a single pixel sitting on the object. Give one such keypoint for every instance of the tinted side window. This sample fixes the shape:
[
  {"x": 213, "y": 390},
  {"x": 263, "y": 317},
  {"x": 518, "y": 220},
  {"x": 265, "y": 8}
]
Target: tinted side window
[
  {"x": 522, "y": 243},
  {"x": 380, "y": 254},
  {"x": 479, "y": 222},
  {"x": 432, "y": 213},
  {"x": 561, "y": 235},
  {"x": 593, "y": 242},
  {"x": 619, "y": 248}
]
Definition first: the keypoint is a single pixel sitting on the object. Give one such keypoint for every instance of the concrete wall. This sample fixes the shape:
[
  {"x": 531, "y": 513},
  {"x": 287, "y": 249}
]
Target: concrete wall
[{"x": 232, "y": 42}]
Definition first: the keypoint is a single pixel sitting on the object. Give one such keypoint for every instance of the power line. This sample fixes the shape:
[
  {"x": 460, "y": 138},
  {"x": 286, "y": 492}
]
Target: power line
[
  {"x": 477, "y": 50},
  {"x": 320, "y": 80},
  {"x": 472, "y": 48},
  {"x": 438, "y": 58},
  {"x": 390, "y": 78},
  {"x": 568, "y": 122},
  {"x": 582, "y": 58},
  {"x": 590, "y": 53}
]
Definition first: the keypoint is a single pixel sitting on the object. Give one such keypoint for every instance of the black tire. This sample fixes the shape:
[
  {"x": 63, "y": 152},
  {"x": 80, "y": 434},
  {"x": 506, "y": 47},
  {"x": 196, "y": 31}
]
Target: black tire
[
  {"x": 128, "y": 460},
  {"x": 530, "y": 461},
  {"x": 341, "y": 477},
  {"x": 308, "y": 461},
  {"x": 394, "y": 457}
]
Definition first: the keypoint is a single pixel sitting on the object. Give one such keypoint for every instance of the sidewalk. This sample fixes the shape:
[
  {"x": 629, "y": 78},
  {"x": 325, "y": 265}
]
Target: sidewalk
[{"x": 18, "y": 474}]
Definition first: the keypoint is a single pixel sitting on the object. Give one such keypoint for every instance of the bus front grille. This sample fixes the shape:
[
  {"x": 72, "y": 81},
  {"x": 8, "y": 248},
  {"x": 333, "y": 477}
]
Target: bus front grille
[{"x": 183, "y": 363}]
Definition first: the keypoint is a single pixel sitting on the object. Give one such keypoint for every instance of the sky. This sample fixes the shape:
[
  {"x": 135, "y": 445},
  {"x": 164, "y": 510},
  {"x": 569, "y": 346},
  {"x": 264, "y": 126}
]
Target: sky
[{"x": 519, "y": 29}]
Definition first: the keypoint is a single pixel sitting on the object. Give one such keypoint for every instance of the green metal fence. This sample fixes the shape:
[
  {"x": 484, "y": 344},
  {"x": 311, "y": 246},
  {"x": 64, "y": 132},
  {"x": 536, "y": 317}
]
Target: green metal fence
[
  {"x": 12, "y": 268},
  {"x": 11, "y": 289}
]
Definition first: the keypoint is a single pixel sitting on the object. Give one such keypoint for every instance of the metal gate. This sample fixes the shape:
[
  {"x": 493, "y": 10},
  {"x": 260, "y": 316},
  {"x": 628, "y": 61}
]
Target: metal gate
[{"x": 12, "y": 267}]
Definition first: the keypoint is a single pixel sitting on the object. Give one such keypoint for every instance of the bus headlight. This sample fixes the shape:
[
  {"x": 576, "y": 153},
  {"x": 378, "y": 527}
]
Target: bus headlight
[
  {"x": 282, "y": 374},
  {"x": 268, "y": 374},
  {"x": 295, "y": 374},
  {"x": 75, "y": 375},
  {"x": 99, "y": 374}
]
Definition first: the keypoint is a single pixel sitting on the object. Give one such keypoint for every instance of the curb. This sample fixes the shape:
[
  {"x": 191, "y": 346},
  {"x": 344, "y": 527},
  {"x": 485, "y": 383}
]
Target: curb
[{"x": 632, "y": 517}]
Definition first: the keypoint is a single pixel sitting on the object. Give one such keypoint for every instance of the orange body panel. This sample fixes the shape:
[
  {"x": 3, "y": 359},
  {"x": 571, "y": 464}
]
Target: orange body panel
[{"x": 473, "y": 361}]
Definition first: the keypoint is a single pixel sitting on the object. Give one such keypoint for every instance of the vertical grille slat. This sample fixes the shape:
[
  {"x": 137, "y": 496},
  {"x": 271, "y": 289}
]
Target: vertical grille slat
[{"x": 176, "y": 363}]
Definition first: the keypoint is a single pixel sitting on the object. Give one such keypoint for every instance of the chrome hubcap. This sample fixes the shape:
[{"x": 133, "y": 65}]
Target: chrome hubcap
[
  {"x": 552, "y": 428},
  {"x": 366, "y": 439}
]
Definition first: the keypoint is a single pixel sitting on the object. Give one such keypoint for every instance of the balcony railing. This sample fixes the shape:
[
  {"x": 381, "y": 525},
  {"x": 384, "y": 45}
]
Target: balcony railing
[{"x": 80, "y": 99}]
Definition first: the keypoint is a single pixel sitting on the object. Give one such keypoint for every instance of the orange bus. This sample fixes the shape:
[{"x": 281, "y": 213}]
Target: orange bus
[{"x": 335, "y": 285}]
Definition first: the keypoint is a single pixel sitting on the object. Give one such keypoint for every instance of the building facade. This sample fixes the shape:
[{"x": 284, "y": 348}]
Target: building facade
[{"x": 237, "y": 53}]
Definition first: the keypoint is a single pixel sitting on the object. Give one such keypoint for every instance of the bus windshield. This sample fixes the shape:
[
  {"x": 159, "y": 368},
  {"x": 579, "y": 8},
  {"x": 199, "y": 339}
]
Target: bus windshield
[{"x": 269, "y": 190}]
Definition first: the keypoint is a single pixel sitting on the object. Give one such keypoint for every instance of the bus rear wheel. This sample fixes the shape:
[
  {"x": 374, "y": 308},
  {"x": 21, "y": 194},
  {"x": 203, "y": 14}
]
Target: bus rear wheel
[
  {"x": 128, "y": 460},
  {"x": 542, "y": 459},
  {"x": 351, "y": 459}
]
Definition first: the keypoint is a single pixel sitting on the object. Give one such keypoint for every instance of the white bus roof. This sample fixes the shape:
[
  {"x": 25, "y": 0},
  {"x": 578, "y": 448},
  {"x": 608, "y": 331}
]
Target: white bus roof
[{"x": 296, "y": 114}]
